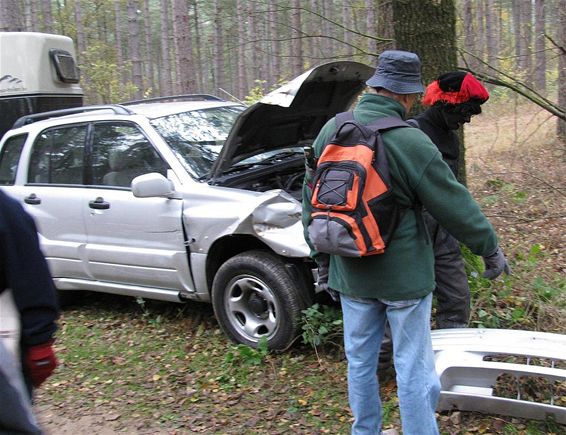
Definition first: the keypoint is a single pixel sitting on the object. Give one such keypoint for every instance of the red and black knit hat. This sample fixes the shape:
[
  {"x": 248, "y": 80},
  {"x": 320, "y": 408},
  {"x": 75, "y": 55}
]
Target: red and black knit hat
[{"x": 455, "y": 88}]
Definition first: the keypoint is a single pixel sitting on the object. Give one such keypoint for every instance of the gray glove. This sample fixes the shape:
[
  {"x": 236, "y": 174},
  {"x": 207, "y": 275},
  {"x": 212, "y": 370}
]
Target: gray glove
[
  {"x": 322, "y": 282},
  {"x": 495, "y": 265}
]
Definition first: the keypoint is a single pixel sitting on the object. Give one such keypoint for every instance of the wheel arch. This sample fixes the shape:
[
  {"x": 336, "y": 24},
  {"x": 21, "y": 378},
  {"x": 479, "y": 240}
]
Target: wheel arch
[{"x": 229, "y": 246}]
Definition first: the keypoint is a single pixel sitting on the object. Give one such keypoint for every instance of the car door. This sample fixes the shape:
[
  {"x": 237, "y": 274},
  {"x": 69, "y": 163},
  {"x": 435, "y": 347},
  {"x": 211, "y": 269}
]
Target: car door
[
  {"x": 136, "y": 241},
  {"x": 51, "y": 190}
]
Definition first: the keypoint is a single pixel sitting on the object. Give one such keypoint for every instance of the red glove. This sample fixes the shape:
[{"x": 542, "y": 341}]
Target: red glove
[{"x": 40, "y": 362}]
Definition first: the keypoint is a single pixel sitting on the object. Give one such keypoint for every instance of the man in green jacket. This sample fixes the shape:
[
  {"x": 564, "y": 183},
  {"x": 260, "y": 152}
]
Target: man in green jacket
[{"x": 397, "y": 285}]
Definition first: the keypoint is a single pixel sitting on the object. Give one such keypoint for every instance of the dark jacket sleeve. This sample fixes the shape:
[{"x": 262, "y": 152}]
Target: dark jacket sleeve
[{"x": 23, "y": 269}]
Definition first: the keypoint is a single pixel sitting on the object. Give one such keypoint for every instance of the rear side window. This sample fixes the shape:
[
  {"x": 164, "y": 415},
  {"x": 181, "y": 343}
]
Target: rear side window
[
  {"x": 58, "y": 156},
  {"x": 9, "y": 158}
]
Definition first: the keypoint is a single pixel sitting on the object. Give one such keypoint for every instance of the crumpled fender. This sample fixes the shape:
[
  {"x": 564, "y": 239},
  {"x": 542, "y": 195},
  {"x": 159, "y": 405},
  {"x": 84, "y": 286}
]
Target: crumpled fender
[
  {"x": 277, "y": 221},
  {"x": 274, "y": 217}
]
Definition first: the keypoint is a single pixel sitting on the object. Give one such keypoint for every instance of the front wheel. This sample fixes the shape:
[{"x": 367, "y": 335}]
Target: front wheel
[{"x": 255, "y": 295}]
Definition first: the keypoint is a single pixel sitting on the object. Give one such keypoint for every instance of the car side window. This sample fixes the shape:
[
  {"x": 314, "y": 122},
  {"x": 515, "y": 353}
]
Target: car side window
[
  {"x": 121, "y": 152},
  {"x": 57, "y": 156},
  {"x": 10, "y": 157}
]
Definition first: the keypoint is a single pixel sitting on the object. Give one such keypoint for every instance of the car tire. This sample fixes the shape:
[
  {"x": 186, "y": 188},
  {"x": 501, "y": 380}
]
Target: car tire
[{"x": 254, "y": 295}]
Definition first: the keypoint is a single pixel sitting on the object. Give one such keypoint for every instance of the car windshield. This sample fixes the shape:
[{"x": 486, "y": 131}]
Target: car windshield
[{"x": 197, "y": 136}]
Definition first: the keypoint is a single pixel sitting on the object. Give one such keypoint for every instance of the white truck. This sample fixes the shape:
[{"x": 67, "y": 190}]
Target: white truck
[{"x": 38, "y": 73}]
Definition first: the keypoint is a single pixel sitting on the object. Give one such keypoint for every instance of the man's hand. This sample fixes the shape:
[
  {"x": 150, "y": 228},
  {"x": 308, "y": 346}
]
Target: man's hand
[
  {"x": 40, "y": 362},
  {"x": 495, "y": 265}
]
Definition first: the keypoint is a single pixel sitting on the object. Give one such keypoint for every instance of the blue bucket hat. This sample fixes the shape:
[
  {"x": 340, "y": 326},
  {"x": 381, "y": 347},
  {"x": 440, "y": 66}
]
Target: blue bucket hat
[{"x": 398, "y": 72}]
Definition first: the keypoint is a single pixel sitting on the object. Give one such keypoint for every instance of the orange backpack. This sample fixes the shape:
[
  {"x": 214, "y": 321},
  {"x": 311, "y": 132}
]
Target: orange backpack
[{"x": 354, "y": 211}]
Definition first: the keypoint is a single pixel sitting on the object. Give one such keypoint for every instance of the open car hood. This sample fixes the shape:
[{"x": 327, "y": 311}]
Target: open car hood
[{"x": 293, "y": 114}]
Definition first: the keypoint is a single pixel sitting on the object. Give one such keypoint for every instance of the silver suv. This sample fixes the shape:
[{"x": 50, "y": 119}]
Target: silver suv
[{"x": 184, "y": 198}]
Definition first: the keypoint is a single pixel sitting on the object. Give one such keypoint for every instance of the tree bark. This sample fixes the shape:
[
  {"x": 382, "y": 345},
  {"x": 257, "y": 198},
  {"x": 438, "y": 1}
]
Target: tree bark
[
  {"x": 241, "y": 49},
  {"x": 527, "y": 34},
  {"x": 165, "y": 78},
  {"x": 185, "y": 75},
  {"x": 297, "y": 41},
  {"x": 371, "y": 27},
  {"x": 119, "y": 43},
  {"x": 47, "y": 13},
  {"x": 10, "y": 17},
  {"x": 200, "y": 71},
  {"x": 347, "y": 22},
  {"x": 275, "y": 46},
  {"x": 469, "y": 35},
  {"x": 491, "y": 32},
  {"x": 80, "y": 30},
  {"x": 219, "y": 64},
  {"x": 429, "y": 30},
  {"x": 134, "y": 47},
  {"x": 540, "y": 53},
  {"x": 149, "y": 61}
]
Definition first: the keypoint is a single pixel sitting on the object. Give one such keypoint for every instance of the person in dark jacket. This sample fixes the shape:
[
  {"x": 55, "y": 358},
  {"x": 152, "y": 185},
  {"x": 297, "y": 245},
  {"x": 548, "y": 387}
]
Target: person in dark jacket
[
  {"x": 452, "y": 99},
  {"x": 397, "y": 286},
  {"x": 24, "y": 273}
]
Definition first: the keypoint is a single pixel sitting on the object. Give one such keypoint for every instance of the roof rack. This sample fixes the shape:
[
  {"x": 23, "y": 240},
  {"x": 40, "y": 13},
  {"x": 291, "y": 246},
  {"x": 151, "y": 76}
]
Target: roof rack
[
  {"x": 29, "y": 119},
  {"x": 186, "y": 97}
]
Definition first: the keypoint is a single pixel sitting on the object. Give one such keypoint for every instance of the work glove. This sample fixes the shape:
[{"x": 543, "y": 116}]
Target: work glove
[
  {"x": 495, "y": 265},
  {"x": 322, "y": 283},
  {"x": 40, "y": 362}
]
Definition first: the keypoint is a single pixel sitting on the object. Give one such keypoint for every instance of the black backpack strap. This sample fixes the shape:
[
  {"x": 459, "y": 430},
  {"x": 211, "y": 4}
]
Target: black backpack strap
[
  {"x": 342, "y": 118},
  {"x": 387, "y": 123}
]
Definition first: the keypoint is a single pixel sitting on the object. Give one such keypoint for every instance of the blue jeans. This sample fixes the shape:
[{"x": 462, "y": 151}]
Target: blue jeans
[{"x": 418, "y": 386}]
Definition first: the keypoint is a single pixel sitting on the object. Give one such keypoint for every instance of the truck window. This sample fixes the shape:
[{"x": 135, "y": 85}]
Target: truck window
[
  {"x": 10, "y": 157},
  {"x": 58, "y": 156}
]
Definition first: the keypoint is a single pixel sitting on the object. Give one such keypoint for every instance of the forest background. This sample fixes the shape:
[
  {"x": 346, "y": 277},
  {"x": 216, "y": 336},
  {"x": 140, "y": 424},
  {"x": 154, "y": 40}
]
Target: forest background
[
  {"x": 161, "y": 369},
  {"x": 131, "y": 49}
]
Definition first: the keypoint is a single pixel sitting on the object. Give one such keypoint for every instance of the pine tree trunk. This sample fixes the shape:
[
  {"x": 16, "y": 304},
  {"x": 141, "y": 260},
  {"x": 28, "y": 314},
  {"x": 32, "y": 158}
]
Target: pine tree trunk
[
  {"x": 149, "y": 61},
  {"x": 241, "y": 49},
  {"x": 347, "y": 22},
  {"x": 386, "y": 24},
  {"x": 527, "y": 34},
  {"x": 540, "y": 40},
  {"x": 200, "y": 71},
  {"x": 297, "y": 41},
  {"x": 469, "y": 35},
  {"x": 166, "y": 79},
  {"x": 491, "y": 31},
  {"x": 276, "y": 46},
  {"x": 219, "y": 64},
  {"x": 185, "y": 75},
  {"x": 79, "y": 30},
  {"x": 47, "y": 14},
  {"x": 10, "y": 17},
  {"x": 371, "y": 29},
  {"x": 134, "y": 47},
  {"x": 119, "y": 43},
  {"x": 480, "y": 37},
  {"x": 428, "y": 29}
]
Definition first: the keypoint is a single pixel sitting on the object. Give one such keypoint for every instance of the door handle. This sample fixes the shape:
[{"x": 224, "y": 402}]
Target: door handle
[
  {"x": 99, "y": 204},
  {"x": 32, "y": 199}
]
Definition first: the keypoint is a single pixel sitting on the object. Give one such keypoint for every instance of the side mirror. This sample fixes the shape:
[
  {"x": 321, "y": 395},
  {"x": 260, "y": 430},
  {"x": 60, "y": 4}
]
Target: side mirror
[{"x": 152, "y": 185}]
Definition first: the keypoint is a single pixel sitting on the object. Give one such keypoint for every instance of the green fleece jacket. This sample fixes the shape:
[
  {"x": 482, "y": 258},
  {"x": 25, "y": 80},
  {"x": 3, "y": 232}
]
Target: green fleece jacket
[{"x": 406, "y": 269}]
